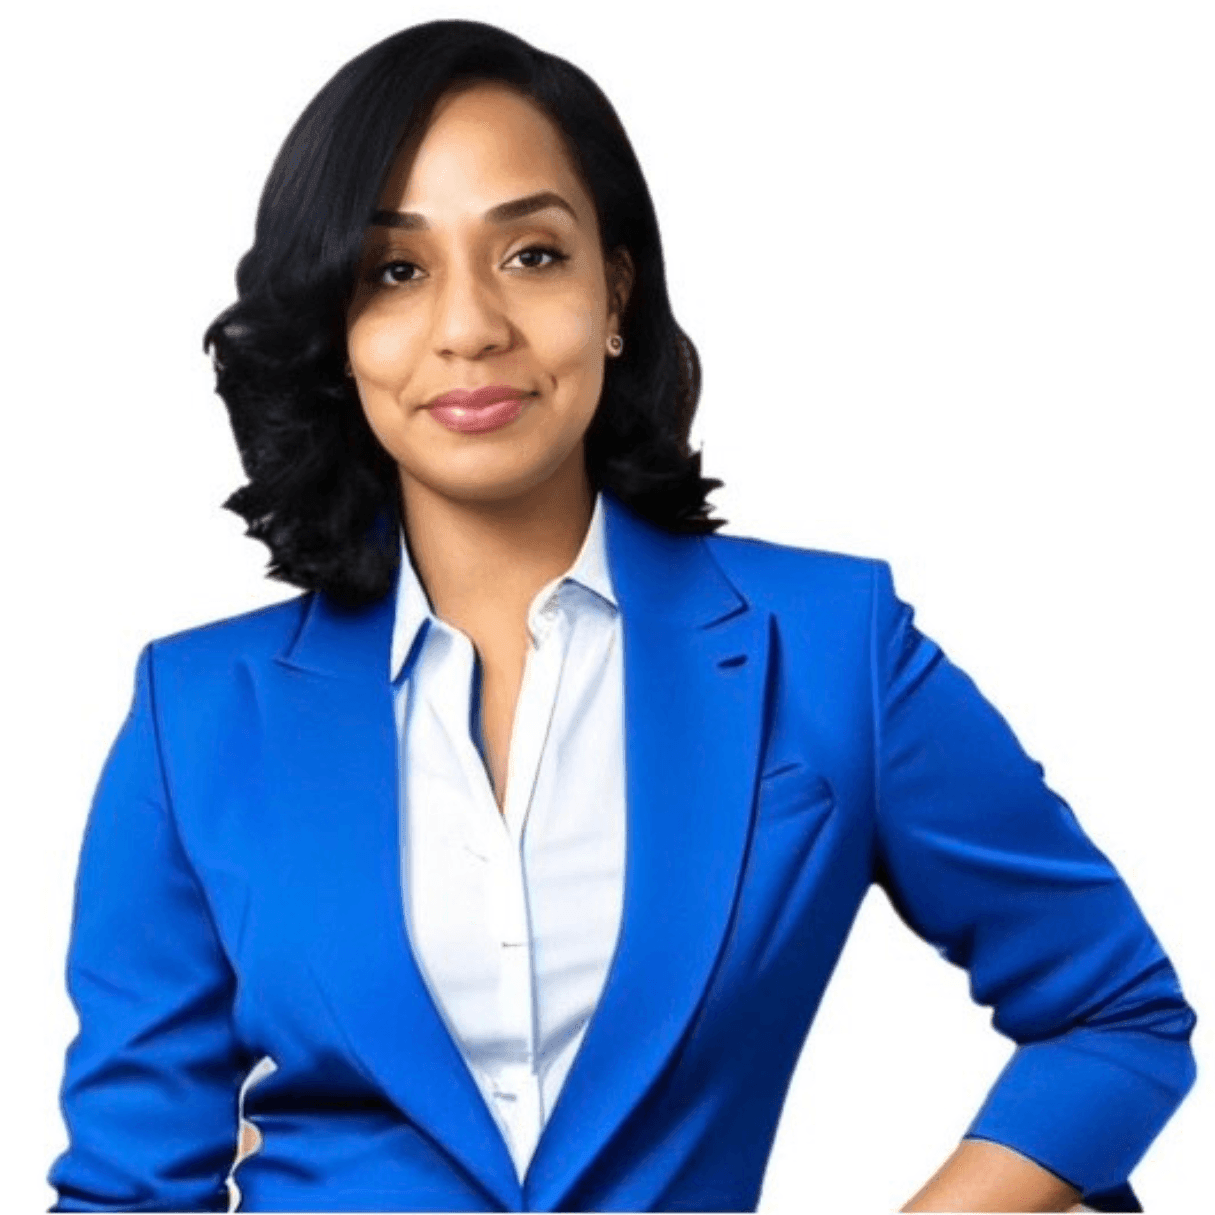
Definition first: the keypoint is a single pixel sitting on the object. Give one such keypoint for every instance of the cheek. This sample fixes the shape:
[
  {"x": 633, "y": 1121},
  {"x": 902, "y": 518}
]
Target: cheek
[
  {"x": 568, "y": 337},
  {"x": 382, "y": 349}
]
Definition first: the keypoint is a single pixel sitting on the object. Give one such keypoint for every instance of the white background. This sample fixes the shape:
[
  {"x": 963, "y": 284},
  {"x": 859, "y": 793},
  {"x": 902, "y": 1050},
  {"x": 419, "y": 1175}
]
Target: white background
[{"x": 950, "y": 270}]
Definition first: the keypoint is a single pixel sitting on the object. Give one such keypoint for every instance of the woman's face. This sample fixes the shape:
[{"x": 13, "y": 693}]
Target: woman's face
[{"x": 451, "y": 296}]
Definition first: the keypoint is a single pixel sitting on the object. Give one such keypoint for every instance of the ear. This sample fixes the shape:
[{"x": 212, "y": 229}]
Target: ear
[{"x": 620, "y": 277}]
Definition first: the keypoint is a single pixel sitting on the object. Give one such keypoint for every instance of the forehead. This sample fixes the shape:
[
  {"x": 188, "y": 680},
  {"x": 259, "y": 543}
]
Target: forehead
[{"x": 484, "y": 143}]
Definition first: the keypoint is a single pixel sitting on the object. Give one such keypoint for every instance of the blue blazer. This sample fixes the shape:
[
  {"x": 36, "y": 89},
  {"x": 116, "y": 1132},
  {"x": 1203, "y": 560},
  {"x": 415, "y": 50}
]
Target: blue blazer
[{"x": 791, "y": 739}]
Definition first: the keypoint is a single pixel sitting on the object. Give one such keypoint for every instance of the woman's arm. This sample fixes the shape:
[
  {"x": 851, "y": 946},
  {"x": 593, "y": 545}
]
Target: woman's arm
[
  {"x": 982, "y": 1176},
  {"x": 150, "y": 1087},
  {"x": 981, "y": 859}
]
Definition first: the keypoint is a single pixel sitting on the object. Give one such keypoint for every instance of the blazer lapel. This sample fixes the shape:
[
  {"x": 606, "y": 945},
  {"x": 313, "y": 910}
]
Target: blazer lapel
[
  {"x": 334, "y": 755},
  {"x": 696, "y": 659}
]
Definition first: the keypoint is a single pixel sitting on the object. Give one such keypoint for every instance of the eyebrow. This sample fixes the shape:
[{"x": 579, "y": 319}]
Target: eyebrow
[{"x": 503, "y": 213}]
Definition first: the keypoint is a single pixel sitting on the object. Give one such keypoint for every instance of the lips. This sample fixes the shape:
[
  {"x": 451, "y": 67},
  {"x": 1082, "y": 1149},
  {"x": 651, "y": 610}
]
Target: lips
[
  {"x": 479, "y": 410},
  {"x": 475, "y": 398}
]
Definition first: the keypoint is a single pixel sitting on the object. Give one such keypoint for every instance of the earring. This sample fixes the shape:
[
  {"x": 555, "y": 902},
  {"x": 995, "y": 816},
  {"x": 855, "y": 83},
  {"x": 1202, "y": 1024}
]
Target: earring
[
  {"x": 349, "y": 372},
  {"x": 615, "y": 344}
]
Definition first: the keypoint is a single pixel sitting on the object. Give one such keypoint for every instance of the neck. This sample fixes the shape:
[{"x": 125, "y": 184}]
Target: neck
[{"x": 480, "y": 561}]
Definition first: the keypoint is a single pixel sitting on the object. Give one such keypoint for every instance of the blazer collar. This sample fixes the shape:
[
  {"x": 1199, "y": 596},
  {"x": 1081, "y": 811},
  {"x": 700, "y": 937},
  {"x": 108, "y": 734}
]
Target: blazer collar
[{"x": 696, "y": 666}]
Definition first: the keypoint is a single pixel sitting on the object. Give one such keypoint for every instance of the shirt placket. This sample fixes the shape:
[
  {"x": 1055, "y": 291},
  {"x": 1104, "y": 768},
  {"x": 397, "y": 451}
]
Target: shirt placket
[{"x": 512, "y": 1083}]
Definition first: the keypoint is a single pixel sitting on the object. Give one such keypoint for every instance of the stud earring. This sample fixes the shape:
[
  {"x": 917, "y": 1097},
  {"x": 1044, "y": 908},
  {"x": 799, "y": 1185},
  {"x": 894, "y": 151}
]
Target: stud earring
[{"x": 615, "y": 344}]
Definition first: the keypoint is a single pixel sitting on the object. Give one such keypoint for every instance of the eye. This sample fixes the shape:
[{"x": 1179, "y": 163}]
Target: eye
[
  {"x": 399, "y": 273},
  {"x": 393, "y": 272},
  {"x": 542, "y": 251}
]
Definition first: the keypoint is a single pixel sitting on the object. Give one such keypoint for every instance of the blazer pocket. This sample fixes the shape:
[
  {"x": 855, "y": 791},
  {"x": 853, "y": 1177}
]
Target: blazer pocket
[{"x": 792, "y": 790}]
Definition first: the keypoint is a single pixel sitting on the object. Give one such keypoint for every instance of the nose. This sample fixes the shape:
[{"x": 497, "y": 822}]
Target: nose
[{"x": 469, "y": 317}]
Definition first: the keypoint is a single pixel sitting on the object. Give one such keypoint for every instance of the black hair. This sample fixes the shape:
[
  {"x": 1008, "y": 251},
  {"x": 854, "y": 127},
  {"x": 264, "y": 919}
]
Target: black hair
[{"x": 323, "y": 494}]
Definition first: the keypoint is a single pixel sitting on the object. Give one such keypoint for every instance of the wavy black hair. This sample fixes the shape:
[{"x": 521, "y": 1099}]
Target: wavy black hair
[{"x": 323, "y": 494}]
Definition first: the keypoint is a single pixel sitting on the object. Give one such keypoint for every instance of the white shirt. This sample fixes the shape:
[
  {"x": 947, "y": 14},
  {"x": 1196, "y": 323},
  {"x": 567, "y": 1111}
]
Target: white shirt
[{"x": 513, "y": 915}]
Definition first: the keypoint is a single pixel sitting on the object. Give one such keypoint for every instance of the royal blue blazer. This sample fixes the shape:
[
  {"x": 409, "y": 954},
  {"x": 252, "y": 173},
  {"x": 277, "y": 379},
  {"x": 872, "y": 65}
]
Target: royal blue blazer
[{"x": 792, "y": 738}]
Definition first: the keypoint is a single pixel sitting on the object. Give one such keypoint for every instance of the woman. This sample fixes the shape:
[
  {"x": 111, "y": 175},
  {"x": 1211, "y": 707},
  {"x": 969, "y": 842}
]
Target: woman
[{"x": 306, "y": 892}]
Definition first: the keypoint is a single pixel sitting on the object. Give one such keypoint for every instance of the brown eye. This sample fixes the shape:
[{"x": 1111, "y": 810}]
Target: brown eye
[
  {"x": 393, "y": 272},
  {"x": 548, "y": 251}
]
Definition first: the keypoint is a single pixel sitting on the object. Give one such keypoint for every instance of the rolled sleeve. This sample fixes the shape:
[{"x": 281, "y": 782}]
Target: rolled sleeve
[
  {"x": 981, "y": 859},
  {"x": 150, "y": 1087}
]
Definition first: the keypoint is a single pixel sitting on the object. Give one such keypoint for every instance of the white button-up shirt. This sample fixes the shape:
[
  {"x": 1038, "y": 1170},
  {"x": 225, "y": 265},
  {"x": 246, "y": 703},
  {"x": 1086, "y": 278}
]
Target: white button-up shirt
[{"x": 513, "y": 915}]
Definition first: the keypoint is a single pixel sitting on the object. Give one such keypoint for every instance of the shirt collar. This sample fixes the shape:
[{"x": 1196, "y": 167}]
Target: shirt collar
[{"x": 413, "y": 611}]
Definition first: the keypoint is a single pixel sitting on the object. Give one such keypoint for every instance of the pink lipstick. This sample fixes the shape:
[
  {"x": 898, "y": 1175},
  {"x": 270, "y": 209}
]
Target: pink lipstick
[{"x": 480, "y": 410}]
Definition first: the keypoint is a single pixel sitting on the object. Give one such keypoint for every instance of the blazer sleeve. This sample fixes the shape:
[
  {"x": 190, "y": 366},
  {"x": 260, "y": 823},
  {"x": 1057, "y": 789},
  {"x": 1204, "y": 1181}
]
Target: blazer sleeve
[
  {"x": 981, "y": 859},
  {"x": 150, "y": 1087}
]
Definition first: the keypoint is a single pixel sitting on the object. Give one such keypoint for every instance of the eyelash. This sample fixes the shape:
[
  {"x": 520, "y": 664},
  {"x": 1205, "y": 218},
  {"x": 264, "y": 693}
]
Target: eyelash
[{"x": 377, "y": 275}]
